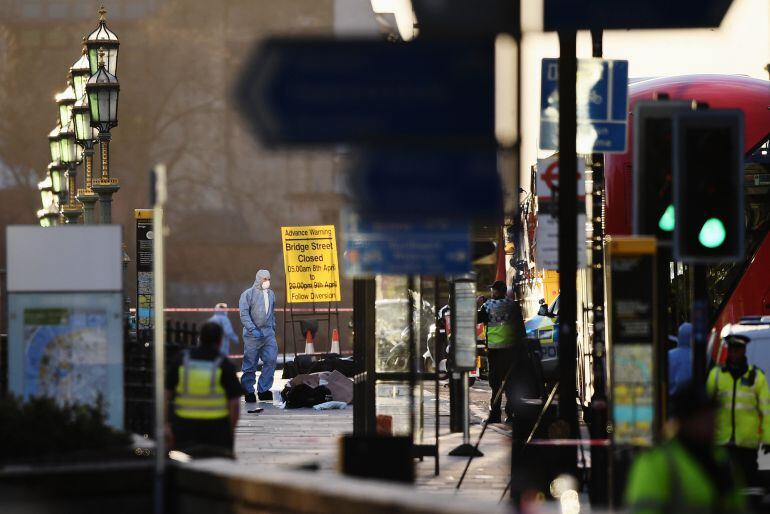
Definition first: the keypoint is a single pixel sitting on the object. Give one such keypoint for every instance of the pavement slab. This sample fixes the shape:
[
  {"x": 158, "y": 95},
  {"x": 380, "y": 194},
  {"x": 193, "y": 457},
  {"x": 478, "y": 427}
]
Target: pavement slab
[{"x": 282, "y": 439}]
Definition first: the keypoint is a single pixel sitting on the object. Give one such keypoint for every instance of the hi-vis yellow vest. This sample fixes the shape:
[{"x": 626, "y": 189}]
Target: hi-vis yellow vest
[
  {"x": 199, "y": 393},
  {"x": 743, "y": 417},
  {"x": 501, "y": 332}
]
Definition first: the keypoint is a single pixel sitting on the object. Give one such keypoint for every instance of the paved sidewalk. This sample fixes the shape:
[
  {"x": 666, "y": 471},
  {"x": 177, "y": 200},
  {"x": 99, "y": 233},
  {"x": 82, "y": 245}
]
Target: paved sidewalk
[{"x": 304, "y": 438}]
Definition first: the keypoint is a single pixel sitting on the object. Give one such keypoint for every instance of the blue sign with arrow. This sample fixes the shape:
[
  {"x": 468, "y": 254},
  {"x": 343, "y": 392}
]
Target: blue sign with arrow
[
  {"x": 417, "y": 248},
  {"x": 413, "y": 183},
  {"x": 602, "y": 105},
  {"x": 326, "y": 91}
]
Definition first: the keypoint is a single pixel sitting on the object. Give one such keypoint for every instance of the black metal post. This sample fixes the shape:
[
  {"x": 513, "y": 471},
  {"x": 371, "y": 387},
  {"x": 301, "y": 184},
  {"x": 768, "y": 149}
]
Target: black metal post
[
  {"x": 598, "y": 486},
  {"x": 436, "y": 384},
  {"x": 568, "y": 231},
  {"x": 663, "y": 291},
  {"x": 455, "y": 378},
  {"x": 700, "y": 320},
  {"x": 364, "y": 351},
  {"x": 410, "y": 289}
]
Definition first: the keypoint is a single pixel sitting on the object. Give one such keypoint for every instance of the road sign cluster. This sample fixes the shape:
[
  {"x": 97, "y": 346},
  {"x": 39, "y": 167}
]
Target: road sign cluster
[{"x": 547, "y": 235}]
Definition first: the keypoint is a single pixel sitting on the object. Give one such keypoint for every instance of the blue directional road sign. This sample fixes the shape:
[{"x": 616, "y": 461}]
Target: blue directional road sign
[
  {"x": 417, "y": 248},
  {"x": 326, "y": 91},
  {"x": 602, "y": 105},
  {"x": 415, "y": 183}
]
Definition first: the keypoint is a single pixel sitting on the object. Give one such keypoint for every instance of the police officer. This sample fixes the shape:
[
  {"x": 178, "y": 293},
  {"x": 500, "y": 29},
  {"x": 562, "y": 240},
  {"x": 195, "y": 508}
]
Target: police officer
[
  {"x": 204, "y": 392},
  {"x": 687, "y": 473},
  {"x": 505, "y": 336},
  {"x": 743, "y": 418}
]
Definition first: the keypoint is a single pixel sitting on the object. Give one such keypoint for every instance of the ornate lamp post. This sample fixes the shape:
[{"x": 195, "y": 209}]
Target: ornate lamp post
[
  {"x": 69, "y": 157},
  {"x": 102, "y": 90},
  {"x": 103, "y": 38},
  {"x": 84, "y": 135},
  {"x": 81, "y": 72},
  {"x": 56, "y": 172},
  {"x": 55, "y": 168},
  {"x": 67, "y": 150},
  {"x": 49, "y": 214},
  {"x": 66, "y": 100}
]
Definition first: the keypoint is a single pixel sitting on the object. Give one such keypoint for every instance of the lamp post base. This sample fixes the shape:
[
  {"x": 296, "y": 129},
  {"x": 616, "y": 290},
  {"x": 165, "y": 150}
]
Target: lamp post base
[
  {"x": 72, "y": 214},
  {"x": 88, "y": 198},
  {"x": 105, "y": 188}
]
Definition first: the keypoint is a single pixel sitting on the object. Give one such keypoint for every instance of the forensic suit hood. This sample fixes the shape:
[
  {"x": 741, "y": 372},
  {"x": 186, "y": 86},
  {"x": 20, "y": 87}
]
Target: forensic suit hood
[
  {"x": 684, "y": 336},
  {"x": 261, "y": 275}
]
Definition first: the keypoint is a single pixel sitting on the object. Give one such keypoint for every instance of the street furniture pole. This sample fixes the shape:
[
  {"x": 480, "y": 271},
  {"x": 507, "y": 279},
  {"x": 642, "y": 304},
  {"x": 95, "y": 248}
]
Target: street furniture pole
[{"x": 159, "y": 195}]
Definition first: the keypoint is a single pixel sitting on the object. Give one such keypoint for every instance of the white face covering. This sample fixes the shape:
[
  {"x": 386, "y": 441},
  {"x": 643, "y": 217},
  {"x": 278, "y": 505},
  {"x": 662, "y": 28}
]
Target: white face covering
[{"x": 266, "y": 285}]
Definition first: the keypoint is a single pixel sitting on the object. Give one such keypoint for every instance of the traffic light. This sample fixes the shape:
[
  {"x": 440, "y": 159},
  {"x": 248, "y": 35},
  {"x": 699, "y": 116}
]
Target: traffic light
[
  {"x": 653, "y": 165},
  {"x": 708, "y": 186}
]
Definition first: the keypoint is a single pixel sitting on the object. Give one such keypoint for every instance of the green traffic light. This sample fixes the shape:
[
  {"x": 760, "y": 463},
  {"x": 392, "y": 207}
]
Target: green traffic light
[
  {"x": 713, "y": 233},
  {"x": 667, "y": 222}
]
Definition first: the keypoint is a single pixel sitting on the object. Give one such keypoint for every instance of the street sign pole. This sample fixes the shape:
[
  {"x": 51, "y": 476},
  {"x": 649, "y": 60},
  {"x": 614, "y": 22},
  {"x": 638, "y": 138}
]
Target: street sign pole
[
  {"x": 597, "y": 489},
  {"x": 159, "y": 200},
  {"x": 568, "y": 234},
  {"x": 700, "y": 322}
]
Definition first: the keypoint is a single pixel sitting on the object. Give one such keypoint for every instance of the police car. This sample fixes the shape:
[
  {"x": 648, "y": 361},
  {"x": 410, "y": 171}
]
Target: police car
[{"x": 544, "y": 329}]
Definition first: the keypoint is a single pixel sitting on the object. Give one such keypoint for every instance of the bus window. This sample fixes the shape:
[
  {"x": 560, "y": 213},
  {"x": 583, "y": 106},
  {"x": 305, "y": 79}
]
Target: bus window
[{"x": 722, "y": 278}]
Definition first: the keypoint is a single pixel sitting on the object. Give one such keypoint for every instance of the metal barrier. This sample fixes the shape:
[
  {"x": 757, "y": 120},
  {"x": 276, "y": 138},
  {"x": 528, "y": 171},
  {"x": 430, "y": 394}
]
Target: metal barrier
[
  {"x": 200, "y": 314},
  {"x": 139, "y": 372}
]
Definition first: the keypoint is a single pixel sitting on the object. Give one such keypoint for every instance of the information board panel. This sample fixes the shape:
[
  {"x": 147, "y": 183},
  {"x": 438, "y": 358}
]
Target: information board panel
[
  {"x": 464, "y": 330},
  {"x": 311, "y": 265},
  {"x": 632, "y": 318},
  {"x": 67, "y": 346},
  {"x": 145, "y": 293}
]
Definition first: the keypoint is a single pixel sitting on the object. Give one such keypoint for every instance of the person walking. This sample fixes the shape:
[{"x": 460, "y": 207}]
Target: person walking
[
  {"x": 680, "y": 360},
  {"x": 257, "y": 306},
  {"x": 687, "y": 473},
  {"x": 505, "y": 338},
  {"x": 228, "y": 334},
  {"x": 202, "y": 392},
  {"x": 743, "y": 418}
]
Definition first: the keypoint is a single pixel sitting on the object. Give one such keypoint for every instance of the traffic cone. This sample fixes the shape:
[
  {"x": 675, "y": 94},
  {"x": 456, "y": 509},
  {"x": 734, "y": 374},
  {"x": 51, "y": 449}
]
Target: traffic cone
[
  {"x": 309, "y": 346},
  {"x": 335, "y": 342}
]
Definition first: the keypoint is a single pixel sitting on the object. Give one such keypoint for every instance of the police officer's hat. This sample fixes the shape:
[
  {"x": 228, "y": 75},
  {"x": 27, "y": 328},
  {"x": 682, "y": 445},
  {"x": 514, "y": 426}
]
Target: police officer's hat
[{"x": 737, "y": 340}]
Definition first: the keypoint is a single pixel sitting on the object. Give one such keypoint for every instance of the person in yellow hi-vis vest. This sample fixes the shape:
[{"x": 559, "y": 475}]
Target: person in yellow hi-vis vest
[
  {"x": 505, "y": 341},
  {"x": 203, "y": 393},
  {"x": 688, "y": 473},
  {"x": 743, "y": 417}
]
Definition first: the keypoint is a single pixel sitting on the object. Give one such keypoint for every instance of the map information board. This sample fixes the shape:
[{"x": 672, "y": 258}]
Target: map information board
[{"x": 65, "y": 354}]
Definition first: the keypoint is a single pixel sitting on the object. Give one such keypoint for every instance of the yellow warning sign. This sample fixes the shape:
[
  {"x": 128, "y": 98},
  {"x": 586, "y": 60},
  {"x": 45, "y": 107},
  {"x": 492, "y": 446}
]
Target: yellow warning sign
[{"x": 311, "y": 265}]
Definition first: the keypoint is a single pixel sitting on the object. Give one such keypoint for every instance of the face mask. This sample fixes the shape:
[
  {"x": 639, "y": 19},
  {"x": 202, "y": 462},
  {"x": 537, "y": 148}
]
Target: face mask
[{"x": 266, "y": 285}]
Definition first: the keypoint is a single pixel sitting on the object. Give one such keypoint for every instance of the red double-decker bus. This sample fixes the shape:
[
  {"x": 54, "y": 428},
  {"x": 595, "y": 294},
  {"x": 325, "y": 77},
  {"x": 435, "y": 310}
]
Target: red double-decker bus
[{"x": 735, "y": 289}]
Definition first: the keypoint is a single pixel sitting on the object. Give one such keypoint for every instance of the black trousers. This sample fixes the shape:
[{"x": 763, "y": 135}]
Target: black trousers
[
  {"x": 203, "y": 437},
  {"x": 500, "y": 360},
  {"x": 745, "y": 459}
]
